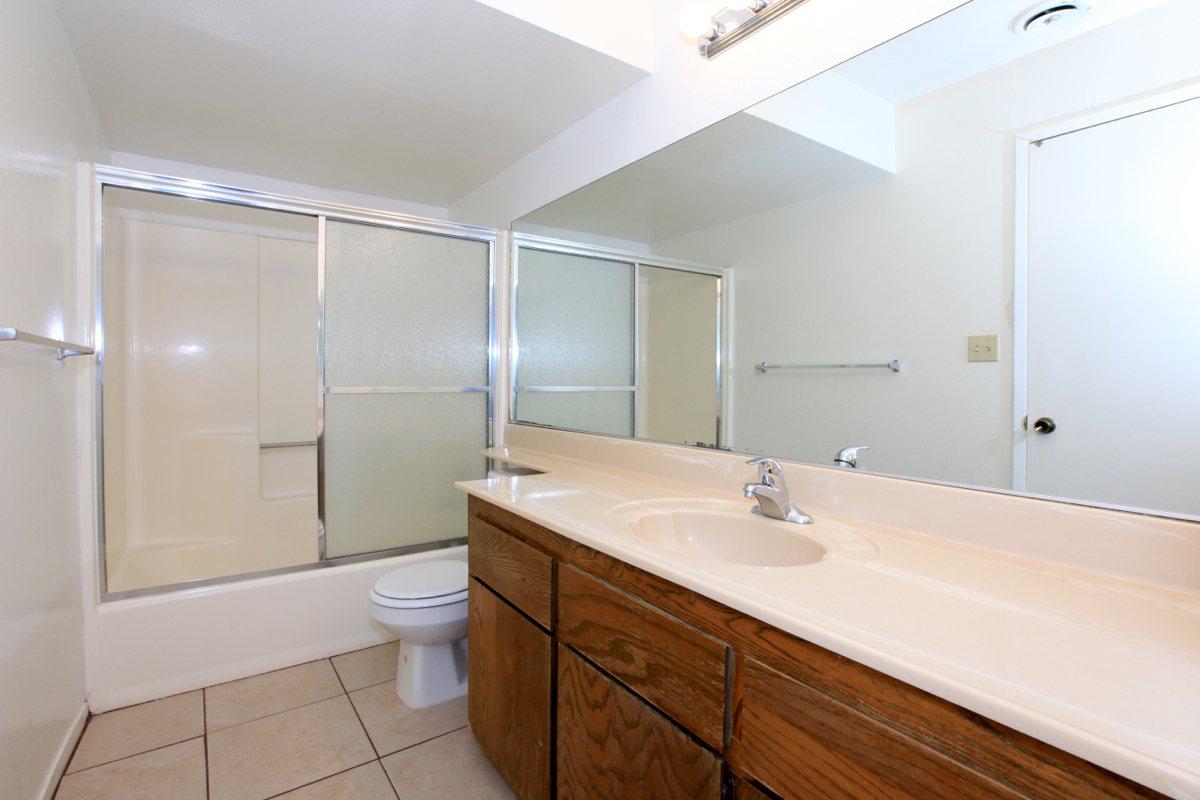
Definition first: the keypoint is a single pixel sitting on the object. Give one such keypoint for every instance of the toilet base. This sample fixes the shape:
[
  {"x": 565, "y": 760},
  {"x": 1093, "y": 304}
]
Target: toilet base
[{"x": 428, "y": 674}]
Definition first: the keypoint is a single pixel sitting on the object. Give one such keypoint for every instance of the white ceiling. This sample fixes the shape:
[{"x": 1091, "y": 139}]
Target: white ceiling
[
  {"x": 422, "y": 100},
  {"x": 737, "y": 167},
  {"x": 965, "y": 42}
]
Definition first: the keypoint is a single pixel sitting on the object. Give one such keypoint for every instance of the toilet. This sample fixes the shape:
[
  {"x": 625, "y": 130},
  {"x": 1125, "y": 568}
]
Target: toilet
[{"x": 425, "y": 606}]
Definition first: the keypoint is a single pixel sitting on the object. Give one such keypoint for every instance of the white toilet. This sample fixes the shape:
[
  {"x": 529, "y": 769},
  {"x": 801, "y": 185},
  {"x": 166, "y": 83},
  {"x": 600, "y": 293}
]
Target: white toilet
[{"x": 425, "y": 606}]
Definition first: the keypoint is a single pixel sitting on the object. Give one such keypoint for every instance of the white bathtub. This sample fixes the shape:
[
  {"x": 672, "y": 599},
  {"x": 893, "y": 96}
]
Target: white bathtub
[{"x": 150, "y": 647}]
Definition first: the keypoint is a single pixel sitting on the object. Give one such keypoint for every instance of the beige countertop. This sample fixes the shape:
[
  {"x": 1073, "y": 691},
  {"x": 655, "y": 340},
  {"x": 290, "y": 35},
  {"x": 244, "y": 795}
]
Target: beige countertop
[{"x": 1105, "y": 667}]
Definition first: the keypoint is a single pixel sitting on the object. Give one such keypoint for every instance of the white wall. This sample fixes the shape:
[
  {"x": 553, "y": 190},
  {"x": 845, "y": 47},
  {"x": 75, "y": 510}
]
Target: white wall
[
  {"x": 909, "y": 265},
  {"x": 47, "y": 123},
  {"x": 686, "y": 93}
]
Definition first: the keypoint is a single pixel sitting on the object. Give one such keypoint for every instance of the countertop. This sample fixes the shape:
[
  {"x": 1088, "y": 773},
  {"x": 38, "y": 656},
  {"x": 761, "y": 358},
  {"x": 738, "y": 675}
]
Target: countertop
[{"x": 1103, "y": 667}]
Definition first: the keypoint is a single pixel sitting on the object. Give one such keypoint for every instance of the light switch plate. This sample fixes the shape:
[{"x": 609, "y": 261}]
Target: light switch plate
[{"x": 983, "y": 348}]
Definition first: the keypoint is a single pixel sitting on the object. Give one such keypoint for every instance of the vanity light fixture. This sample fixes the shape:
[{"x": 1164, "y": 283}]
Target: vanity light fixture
[{"x": 731, "y": 23}]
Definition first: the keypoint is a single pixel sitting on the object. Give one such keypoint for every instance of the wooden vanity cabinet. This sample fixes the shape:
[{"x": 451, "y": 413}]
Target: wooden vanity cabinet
[{"x": 591, "y": 678}]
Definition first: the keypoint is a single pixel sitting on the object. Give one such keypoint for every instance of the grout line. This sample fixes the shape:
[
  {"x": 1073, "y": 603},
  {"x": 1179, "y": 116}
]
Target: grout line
[
  {"x": 391, "y": 783},
  {"x": 132, "y": 755},
  {"x": 424, "y": 741},
  {"x": 270, "y": 672},
  {"x": 204, "y": 708},
  {"x": 277, "y": 713},
  {"x": 326, "y": 777},
  {"x": 357, "y": 716}
]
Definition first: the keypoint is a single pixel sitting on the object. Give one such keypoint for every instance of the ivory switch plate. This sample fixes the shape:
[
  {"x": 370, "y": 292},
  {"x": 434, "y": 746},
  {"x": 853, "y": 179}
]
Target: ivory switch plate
[{"x": 983, "y": 348}]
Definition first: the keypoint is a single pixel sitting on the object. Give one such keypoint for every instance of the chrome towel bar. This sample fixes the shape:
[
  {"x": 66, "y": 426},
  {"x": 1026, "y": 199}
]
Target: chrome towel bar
[
  {"x": 893, "y": 365},
  {"x": 65, "y": 349},
  {"x": 273, "y": 445}
]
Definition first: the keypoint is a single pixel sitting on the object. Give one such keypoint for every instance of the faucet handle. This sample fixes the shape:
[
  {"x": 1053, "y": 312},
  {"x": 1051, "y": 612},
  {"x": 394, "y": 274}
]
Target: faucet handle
[
  {"x": 766, "y": 465},
  {"x": 848, "y": 456}
]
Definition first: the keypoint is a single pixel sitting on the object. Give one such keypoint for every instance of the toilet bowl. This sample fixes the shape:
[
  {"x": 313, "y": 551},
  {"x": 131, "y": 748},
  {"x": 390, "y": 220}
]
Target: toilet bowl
[{"x": 425, "y": 606}]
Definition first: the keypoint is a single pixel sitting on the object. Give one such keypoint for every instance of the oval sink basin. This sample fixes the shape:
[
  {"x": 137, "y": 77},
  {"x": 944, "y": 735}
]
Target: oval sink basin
[{"x": 722, "y": 532}]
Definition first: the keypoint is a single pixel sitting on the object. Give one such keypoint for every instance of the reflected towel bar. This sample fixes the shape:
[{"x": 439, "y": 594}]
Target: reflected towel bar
[
  {"x": 273, "y": 445},
  {"x": 893, "y": 365},
  {"x": 65, "y": 349}
]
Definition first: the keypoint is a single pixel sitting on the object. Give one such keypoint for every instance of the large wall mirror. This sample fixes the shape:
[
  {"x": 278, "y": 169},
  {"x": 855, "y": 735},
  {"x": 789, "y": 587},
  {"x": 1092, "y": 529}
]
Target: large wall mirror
[{"x": 973, "y": 249}]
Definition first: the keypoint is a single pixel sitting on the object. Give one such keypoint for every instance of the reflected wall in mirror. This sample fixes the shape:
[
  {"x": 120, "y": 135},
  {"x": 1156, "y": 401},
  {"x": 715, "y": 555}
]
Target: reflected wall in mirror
[
  {"x": 616, "y": 342},
  {"x": 1008, "y": 212}
]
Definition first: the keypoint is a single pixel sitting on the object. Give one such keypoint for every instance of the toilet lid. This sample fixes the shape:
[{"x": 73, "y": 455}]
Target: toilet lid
[{"x": 424, "y": 579}]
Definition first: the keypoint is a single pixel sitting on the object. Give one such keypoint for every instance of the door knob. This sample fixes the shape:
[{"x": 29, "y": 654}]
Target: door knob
[{"x": 1044, "y": 425}]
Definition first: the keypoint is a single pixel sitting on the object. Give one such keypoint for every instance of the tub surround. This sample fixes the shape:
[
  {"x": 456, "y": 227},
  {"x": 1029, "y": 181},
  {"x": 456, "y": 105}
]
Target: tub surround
[{"x": 1074, "y": 625}]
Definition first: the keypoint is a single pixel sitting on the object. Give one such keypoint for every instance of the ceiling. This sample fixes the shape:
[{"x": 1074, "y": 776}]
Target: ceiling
[
  {"x": 737, "y": 167},
  {"x": 421, "y": 100},
  {"x": 971, "y": 39}
]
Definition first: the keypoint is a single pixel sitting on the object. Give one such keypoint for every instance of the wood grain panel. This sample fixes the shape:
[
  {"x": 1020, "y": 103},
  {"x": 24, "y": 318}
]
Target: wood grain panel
[
  {"x": 522, "y": 575},
  {"x": 1029, "y": 766},
  {"x": 612, "y": 746},
  {"x": 801, "y": 744},
  {"x": 677, "y": 668},
  {"x": 509, "y": 692},
  {"x": 739, "y": 789}
]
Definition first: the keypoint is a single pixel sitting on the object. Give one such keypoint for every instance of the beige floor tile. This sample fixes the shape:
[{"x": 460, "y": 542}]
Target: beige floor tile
[
  {"x": 394, "y": 726},
  {"x": 285, "y": 751},
  {"x": 368, "y": 667},
  {"x": 367, "y": 782},
  {"x": 449, "y": 766},
  {"x": 175, "y": 772},
  {"x": 236, "y": 702},
  {"x": 129, "y": 731}
]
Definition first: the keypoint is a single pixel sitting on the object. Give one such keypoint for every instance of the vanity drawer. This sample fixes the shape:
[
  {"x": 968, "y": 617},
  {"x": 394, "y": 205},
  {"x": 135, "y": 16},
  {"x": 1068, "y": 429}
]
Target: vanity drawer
[
  {"x": 673, "y": 666},
  {"x": 522, "y": 575},
  {"x": 800, "y": 743}
]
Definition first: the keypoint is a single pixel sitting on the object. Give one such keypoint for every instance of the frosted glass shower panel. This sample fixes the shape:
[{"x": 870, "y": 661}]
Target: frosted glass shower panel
[
  {"x": 575, "y": 331},
  {"x": 404, "y": 308},
  {"x": 574, "y": 320},
  {"x": 391, "y": 461},
  {"x": 406, "y": 347}
]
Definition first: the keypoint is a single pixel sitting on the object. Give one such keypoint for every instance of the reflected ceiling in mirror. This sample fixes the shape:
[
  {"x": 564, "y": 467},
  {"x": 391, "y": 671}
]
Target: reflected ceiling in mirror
[{"x": 1000, "y": 202}]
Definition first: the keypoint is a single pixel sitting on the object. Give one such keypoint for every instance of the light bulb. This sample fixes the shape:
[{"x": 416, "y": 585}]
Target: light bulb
[
  {"x": 743, "y": 5},
  {"x": 695, "y": 20}
]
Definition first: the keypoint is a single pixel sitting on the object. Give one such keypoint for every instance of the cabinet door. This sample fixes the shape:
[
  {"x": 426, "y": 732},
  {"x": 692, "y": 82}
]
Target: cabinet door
[
  {"x": 508, "y": 696},
  {"x": 613, "y": 746}
]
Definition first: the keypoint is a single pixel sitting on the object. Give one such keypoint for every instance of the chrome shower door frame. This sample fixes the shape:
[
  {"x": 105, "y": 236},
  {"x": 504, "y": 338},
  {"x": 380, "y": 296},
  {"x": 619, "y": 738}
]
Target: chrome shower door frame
[
  {"x": 636, "y": 261},
  {"x": 321, "y": 211}
]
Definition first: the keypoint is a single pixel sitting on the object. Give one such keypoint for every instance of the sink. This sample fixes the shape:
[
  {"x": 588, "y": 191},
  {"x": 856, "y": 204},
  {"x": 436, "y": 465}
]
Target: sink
[{"x": 720, "y": 531}]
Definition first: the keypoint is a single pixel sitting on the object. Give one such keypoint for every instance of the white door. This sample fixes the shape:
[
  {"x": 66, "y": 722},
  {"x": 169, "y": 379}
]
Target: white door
[{"x": 1114, "y": 312}]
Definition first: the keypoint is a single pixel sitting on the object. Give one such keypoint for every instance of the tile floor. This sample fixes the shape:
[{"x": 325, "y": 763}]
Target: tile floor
[{"x": 326, "y": 730}]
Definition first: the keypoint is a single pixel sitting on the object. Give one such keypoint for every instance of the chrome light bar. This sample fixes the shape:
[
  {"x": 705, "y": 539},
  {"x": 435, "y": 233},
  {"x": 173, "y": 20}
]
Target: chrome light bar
[{"x": 726, "y": 34}]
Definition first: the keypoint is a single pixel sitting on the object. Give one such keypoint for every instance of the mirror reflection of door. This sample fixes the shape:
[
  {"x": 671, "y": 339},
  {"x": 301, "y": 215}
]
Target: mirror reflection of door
[{"x": 1114, "y": 311}]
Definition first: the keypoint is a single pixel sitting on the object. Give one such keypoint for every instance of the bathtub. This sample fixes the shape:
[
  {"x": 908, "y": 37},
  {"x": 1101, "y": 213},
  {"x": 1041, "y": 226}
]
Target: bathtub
[{"x": 144, "y": 648}]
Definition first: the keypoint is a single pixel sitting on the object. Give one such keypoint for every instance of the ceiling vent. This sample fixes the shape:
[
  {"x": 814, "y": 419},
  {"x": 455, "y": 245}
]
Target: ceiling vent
[{"x": 1049, "y": 16}]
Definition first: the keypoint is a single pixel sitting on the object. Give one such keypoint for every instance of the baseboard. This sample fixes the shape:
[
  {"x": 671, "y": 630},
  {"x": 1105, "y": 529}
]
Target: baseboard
[{"x": 63, "y": 756}]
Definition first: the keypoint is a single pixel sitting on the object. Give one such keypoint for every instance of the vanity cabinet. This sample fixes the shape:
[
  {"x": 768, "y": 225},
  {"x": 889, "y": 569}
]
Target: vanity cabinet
[
  {"x": 510, "y": 708},
  {"x": 591, "y": 678}
]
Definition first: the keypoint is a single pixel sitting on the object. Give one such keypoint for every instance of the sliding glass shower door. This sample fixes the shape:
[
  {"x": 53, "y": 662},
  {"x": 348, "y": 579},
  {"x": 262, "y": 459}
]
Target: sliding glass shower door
[{"x": 405, "y": 384}]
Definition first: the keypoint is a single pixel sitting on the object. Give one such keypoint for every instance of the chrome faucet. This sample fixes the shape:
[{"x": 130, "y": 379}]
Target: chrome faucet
[
  {"x": 847, "y": 457},
  {"x": 771, "y": 492}
]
